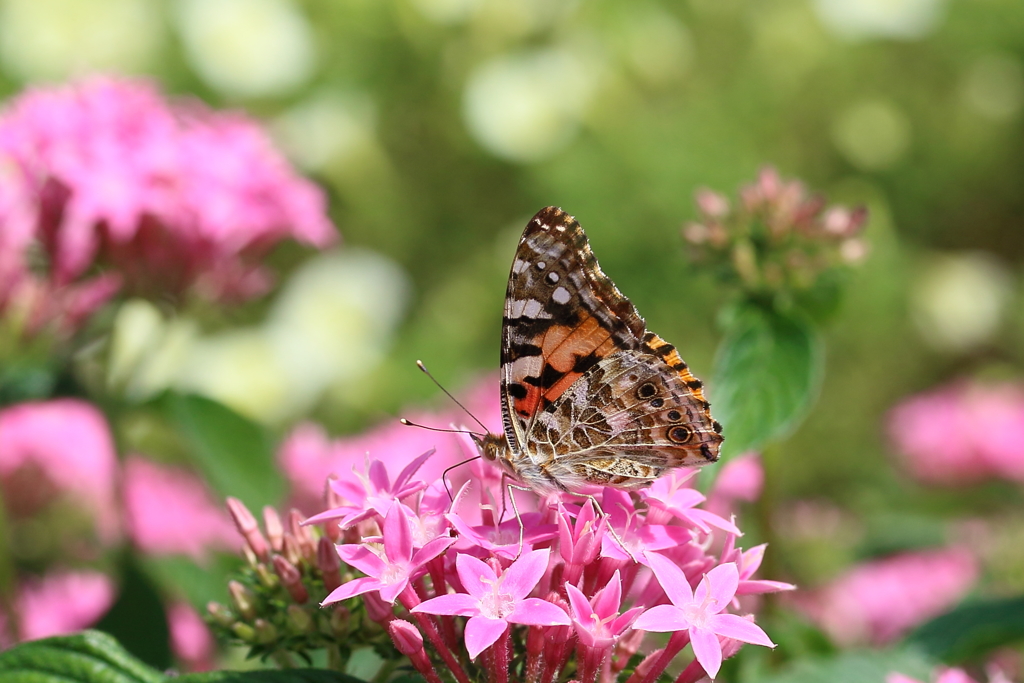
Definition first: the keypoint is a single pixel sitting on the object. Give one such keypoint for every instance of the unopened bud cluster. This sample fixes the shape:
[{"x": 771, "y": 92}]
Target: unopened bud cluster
[
  {"x": 275, "y": 600},
  {"x": 777, "y": 238}
]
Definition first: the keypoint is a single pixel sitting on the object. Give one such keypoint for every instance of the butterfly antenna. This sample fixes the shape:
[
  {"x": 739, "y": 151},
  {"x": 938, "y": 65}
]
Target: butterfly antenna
[
  {"x": 410, "y": 423},
  {"x": 426, "y": 372}
]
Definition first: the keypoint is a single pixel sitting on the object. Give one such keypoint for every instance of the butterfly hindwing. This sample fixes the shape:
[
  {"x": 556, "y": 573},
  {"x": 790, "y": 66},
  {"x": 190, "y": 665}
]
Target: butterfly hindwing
[{"x": 627, "y": 420}]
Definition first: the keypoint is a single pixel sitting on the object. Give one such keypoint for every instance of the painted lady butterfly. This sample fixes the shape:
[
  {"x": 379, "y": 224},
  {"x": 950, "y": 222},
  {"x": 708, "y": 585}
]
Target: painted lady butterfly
[{"x": 589, "y": 396}]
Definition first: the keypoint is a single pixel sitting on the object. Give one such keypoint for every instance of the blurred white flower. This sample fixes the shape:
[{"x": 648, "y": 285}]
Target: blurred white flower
[
  {"x": 332, "y": 322},
  {"x": 247, "y": 48},
  {"x": 872, "y": 134},
  {"x": 960, "y": 300},
  {"x": 861, "y": 19},
  {"x": 527, "y": 106},
  {"x": 994, "y": 86},
  {"x": 56, "y": 39},
  {"x": 328, "y": 127},
  {"x": 147, "y": 350}
]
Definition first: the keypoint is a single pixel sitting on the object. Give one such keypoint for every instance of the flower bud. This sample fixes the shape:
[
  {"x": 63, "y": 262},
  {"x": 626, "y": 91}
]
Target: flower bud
[
  {"x": 248, "y": 528},
  {"x": 275, "y": 530},
  {"x": 291, "y": 579},
  {"x": 266, "y": 632},
  {"x": 299, "y": 620},
  {"x": 329, "y": 563},
  {"x": 220, "y": 614},
  {"x": 406, "y": 637},
  {"x": 243, "y": 599},
  {"x": 244, "y": 632}
]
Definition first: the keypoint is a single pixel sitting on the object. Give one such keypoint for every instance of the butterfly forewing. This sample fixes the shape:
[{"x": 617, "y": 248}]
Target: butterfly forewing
[{"x": 578, "y": 365}]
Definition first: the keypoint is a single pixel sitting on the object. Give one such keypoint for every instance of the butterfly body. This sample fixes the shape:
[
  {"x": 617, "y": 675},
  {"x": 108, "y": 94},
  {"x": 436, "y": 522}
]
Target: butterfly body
[{"x": 590, "y": 397}]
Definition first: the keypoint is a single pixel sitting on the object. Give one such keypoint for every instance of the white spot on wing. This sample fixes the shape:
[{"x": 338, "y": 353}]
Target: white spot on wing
[
  {"x": 533, "y": 309},
  {"x": 519, "y": 266},
  {"x": 561, "y": 295}
]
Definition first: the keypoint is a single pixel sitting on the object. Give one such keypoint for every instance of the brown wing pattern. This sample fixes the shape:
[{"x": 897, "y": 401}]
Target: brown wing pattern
[
  {"x": 563, "y": 315},
  {"x": 639, "y": 419}
]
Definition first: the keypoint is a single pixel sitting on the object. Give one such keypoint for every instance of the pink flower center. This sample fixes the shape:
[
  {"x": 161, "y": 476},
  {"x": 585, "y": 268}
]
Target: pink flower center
[
  {"x": 698, "y": 615},
  {"x": 393, "y": 574},
  {"x": 497, "y": 605}
]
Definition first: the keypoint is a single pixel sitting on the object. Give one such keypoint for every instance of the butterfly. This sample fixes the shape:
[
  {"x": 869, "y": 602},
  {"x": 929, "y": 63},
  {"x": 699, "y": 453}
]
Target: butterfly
[{"x": 590, "y": 397}]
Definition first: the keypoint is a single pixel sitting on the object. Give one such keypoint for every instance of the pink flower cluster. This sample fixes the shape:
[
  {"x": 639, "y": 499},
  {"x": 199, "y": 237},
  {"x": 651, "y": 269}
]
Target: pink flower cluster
[
  {"x": 962, "y": 433},
  {"x": 57, "y": 458},
  {"x": 559, "y": 579},
  {"x": 777, "y": 236},
  {"x": 171, "y": 196},
  {"x": 877, "y": 602}
]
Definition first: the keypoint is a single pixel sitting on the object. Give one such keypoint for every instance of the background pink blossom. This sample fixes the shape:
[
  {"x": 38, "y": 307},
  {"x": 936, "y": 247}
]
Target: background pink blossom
[
  {"x": 172, "y": 195},
  {"x": 60, "y": 603},
  {"x": 61, "y": 446},
  {"x": 962, "y": 433},
  {"x": 170, "y": 511},
  {"x": 877, "y": 602}
]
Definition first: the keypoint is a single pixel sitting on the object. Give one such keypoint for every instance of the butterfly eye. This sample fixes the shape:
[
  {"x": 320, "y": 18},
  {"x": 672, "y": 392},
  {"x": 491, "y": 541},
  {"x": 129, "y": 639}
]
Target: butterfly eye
[
  {"x": 657, "y": 402},
  {"x": 674, "y": 416},
  {"x": 679, "y": 434},
  {"x": 646, "y": 390}
]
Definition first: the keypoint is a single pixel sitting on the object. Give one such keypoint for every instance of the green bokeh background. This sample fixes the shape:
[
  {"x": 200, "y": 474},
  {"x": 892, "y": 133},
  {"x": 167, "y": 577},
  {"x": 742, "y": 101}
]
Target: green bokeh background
[{"x": 885, "y": 107}]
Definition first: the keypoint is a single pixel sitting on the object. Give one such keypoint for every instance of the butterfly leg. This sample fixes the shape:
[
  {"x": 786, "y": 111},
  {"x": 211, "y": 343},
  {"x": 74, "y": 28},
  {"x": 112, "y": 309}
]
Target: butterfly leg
[
  {"x": 611, "y": 529},
  {"x": 515, "y": 508}
]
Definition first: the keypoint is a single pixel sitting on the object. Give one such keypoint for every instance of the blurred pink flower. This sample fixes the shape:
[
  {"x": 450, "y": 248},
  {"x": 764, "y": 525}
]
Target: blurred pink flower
[
  {"x": 191, "y": 640},
  {"x": 173, "y": 196},
  {"x": 740, "y": 480},
  {"x": 878, "y": 601},
  {"x": 59, "y": 447},
  {"x": 61, "y": 603},
  {"x": 962, "y": 433},
  {"x": 949, "y": 676},
  {"x": 170, "y": 511},
  {"x": 308, "y": 456}
]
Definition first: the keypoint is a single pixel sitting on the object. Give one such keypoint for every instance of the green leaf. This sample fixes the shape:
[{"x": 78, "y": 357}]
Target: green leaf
[
  {"x": 767, "y": 372},
  {"x": 87, "y": 657},
  {"x": 972, "y": 630},
  {"x": 860, "y": 666},
  {"x": 269, "y": 676},
  {"x": 234, "y": 453}
]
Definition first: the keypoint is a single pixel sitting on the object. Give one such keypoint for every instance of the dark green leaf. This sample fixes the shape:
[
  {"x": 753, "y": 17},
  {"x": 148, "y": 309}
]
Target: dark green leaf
[
  {"x": 137, "y": 620},
  {"x": 234, "y": 453},
  {"x": 861, "y": 666},
  {"x": 87, "y": 657},
  {"x": 767, "y": 372},
  {"x": 269, "y": 676},
  {"x": 972, "y": 630}
]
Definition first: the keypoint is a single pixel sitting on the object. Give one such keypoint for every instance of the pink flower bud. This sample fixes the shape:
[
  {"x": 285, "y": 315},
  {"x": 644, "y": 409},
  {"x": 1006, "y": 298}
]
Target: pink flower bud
[
  {"x": 275, "y": 530},
  {"x": 711, "y": 203},
  {"x": 291, "y": 579},
  {"x": 248, "y": 528},
  {"x": 329, "y": 563}
]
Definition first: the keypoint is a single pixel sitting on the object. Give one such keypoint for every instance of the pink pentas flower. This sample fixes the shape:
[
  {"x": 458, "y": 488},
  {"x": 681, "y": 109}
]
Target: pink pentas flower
[
  {"x": 700, "y": 612},
  {"x": 374, "y": 494},
  {"x": 633, "y": 535},
  {"x": 670, "y": 494},
  {"x": 59, "y": 447},
  {"x": 597, "y": 620},
  {"x": 174, "y": 196},
  {"x": 492, "y": 602},
  {"x": 62, "y": 602},
  {"x": 877, "y": 602},
  {"x": 962, "y": 433},
  {"x": 390, "y": 572},
  {"x": 169, "y": 511}
]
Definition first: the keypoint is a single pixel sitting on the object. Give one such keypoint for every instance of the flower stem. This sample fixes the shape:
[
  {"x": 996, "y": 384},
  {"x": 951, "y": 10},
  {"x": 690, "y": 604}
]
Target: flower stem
[
  {"x": 409, "y": 600},
  {"x": 660, "y": 660},
  {"x": 500, "y": 657}
]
